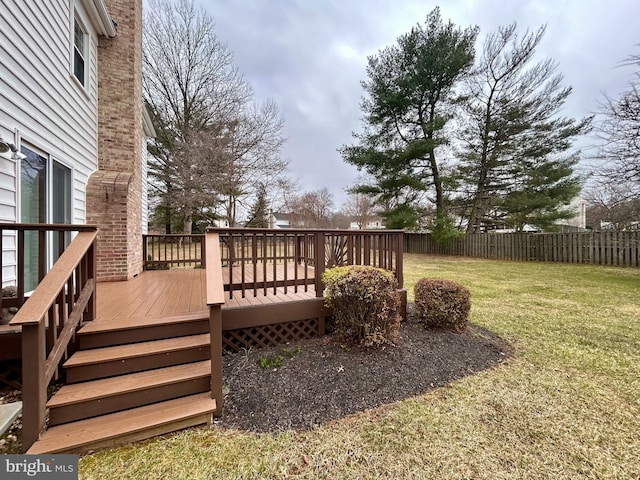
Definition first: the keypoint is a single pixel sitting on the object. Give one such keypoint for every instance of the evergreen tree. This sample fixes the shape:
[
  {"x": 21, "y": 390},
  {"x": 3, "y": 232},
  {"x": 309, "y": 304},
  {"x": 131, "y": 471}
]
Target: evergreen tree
[
  {"x": 410, "y": 90},
  {"x": 516, "y": 167},
  {"x": 259, "y": 212}
]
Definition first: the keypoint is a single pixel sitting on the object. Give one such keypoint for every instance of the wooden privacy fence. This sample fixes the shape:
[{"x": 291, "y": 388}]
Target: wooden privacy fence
[{"x": 599, "y": 248}]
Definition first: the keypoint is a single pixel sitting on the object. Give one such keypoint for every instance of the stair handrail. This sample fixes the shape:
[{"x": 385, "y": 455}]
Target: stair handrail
[
  {"x": 215, "y": 300},
  {"x": 50, "y": 317}
]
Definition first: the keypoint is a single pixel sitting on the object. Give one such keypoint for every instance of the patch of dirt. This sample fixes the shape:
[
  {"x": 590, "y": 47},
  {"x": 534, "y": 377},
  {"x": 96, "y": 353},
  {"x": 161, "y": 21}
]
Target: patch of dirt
[{"x": 320, "y": 380}]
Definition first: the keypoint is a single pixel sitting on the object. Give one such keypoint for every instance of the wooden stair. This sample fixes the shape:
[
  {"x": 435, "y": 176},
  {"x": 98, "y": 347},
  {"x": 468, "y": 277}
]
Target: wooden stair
[
  {"x": 130, "y": 381},
  {"x": 127, "y": 426}
]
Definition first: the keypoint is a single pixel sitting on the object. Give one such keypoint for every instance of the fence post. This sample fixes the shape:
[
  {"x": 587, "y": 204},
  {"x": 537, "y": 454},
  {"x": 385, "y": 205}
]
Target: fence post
[{"x": 399, "y": 259}]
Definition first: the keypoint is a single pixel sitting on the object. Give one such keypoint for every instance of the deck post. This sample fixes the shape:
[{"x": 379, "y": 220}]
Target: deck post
[
  {"x": 145, "y": 252},
  {"x": 215, "y": 328},
  {"x": 319, "y": 262},
  {"x": 92, "y": 306},
  {"x": 34, "y": 391}
]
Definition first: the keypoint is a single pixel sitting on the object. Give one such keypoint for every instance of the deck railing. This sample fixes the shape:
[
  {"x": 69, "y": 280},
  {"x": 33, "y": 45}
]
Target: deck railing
[
  {"x": 41, "y": 238},
  {"x": 51, "y": 315},
  {"x": 162, "y": 252},
  {"x": 259, "y": 260}
]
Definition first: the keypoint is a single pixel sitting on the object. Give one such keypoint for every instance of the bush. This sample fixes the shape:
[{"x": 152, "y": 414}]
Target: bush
[
  {"x": 365, "y": 304},
  {"x": 442, "y": 304}
]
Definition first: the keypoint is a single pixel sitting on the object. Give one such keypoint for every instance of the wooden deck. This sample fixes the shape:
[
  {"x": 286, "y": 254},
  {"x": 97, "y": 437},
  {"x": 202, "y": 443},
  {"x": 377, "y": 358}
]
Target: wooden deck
[
  {"x": 133, "y": 354},
  {"x": 165, "y": 293}
]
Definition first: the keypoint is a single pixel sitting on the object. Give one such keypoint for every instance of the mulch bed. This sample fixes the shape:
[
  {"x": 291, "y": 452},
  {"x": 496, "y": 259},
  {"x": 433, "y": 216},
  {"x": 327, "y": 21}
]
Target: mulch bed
[{"x": 321, "y": 380}]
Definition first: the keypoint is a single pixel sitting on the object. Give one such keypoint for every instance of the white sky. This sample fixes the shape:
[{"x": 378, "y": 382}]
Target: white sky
[{"x": 310, "y": 57}]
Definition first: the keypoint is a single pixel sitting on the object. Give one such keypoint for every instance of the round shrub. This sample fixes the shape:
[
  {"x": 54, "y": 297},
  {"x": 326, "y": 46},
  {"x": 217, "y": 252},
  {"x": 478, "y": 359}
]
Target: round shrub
[
  {"x": 365, "y": 302},
  {"x": 442, "y": 304}
]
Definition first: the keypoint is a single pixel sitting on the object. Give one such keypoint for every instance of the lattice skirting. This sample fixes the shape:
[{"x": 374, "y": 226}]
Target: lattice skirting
[{"x": 270, "y": 335}]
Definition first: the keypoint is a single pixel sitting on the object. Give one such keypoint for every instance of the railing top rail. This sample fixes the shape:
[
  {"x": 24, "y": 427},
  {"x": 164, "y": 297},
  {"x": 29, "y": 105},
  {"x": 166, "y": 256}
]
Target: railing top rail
[
  {"x": 214, "y": 281},
  {"x": 32, "y": 312},
  {"x": 176, "y": 235},
  {"x": 47, "y": 227},
  {"x": 300, "y": 230}
]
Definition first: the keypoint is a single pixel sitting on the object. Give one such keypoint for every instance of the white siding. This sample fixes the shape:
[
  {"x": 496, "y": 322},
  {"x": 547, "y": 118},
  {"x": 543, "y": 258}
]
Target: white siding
[
  {"x": 41, "y": 103},
  {"x": 8, "y": 213}
]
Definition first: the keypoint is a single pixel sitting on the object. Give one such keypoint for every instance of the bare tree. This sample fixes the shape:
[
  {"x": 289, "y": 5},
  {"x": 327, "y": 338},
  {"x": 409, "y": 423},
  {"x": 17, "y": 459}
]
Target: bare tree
[
  {"x": 359, "y": 209},
  {"x": 619, "y": 130},
  {"x": 253, "y": 161},
  {"x": 612, "y": 205},
  {"x": 312, "y": 209},
  {"x": 214, "y": 147}
]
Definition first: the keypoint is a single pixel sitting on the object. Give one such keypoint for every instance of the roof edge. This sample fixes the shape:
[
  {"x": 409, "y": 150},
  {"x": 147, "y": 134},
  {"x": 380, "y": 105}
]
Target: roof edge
[{"x": 101, "y": 18}]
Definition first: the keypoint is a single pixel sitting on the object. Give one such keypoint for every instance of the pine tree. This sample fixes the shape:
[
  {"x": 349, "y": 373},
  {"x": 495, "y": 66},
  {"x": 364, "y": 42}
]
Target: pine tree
[
  {"x": 259, "y": 212},
  {"x": 410, "y": 90},
  {"x": 516, "y": 166}
]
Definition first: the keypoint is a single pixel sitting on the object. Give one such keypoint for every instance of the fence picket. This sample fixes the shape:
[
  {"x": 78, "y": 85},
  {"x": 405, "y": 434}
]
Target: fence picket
[{"x": 598, "y": 248}]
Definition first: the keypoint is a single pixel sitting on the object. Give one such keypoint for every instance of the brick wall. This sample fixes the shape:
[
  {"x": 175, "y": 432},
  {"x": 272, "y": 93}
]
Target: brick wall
[{"x": 114, "y": 192}]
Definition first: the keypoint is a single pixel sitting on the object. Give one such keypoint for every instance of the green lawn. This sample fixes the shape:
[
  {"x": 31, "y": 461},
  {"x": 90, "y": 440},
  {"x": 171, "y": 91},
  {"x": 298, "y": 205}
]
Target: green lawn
[{"x": 565, "y": 406}]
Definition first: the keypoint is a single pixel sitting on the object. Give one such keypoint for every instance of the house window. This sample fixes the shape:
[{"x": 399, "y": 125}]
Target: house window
[{"x": 79, "y": 51}]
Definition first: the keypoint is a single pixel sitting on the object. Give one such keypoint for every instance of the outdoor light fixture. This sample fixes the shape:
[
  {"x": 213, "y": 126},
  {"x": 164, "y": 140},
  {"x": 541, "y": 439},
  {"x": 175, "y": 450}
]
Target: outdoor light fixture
[{"x": 6, "y": 146}]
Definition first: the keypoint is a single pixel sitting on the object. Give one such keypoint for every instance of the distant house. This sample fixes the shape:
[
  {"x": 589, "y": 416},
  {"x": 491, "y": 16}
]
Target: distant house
[
  {"x": 372, "y": 224},
  {"x": 578, "y": 222},
  {"x": 279, "y": 220},
  {"x": 220, "y": 223},
  {"x": 631, "y": 226},
  {"x": 73, "y": 127}
]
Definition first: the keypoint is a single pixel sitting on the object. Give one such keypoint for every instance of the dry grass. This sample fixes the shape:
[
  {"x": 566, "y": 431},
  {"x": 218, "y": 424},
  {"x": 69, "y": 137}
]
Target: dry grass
[{"x": 566, "y": 406}]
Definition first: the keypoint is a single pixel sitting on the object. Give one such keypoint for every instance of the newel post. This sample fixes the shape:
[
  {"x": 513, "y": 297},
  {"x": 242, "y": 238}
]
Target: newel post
[
  {"x": 34, "y": 390},
  {"x": 215, "y": 326},
  {"x": 215, "y": 300},
  {"x": 319, "y": 261}
]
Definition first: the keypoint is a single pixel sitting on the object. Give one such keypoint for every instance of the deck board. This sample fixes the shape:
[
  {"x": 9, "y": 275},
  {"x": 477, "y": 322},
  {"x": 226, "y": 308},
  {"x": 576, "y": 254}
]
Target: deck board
[{"x": 179, "y": 291}]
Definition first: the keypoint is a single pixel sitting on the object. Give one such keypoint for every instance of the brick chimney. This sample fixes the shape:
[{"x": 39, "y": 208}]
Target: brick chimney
[{"x": 114, "y": 192}]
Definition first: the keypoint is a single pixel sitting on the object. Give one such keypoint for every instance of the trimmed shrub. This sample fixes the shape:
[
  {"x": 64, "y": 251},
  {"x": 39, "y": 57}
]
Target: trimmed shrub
[
  {"x": 365, "y": 304},
  {"x": 442, "y": 304}
]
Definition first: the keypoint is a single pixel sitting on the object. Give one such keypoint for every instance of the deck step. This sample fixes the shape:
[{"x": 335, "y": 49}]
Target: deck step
[
  {"x": 127, "y": 426},
  {"x": 99, "y": 334},
  {"x": 86, "y": 365},
  {"x": 99, "y": 397}
]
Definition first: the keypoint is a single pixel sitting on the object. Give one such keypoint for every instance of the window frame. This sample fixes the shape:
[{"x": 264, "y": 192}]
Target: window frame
[{"x": 78, "y": 21}]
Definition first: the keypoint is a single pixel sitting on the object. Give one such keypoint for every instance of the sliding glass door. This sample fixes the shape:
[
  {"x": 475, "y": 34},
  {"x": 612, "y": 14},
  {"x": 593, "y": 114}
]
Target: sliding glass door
[{"x": 45, "y": 197}]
